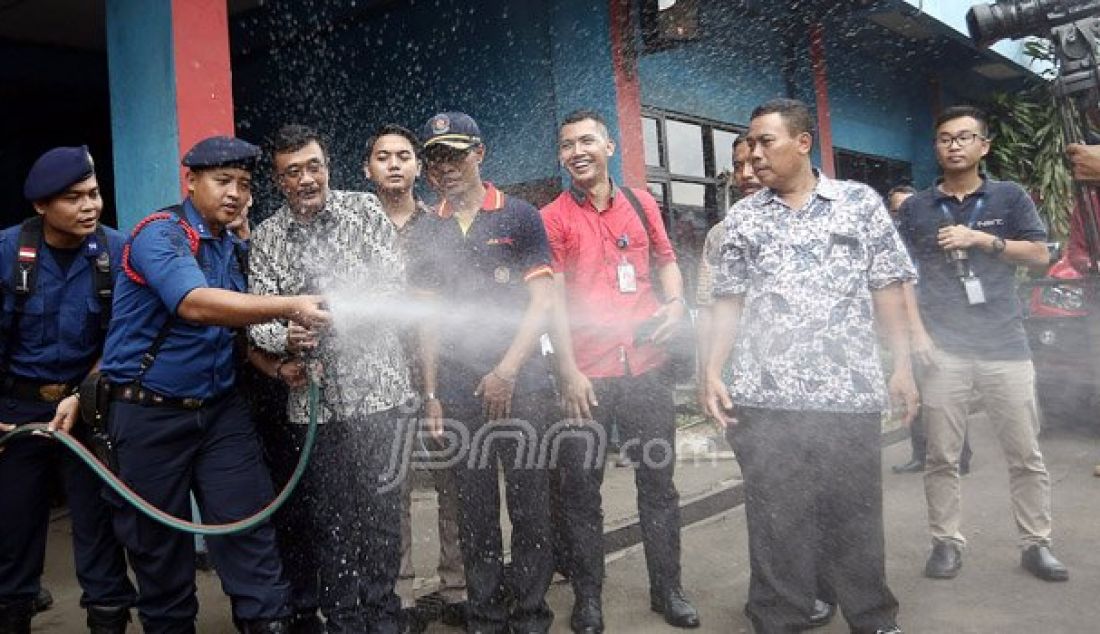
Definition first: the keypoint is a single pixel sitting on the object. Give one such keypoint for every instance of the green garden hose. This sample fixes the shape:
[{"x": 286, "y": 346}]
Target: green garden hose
[{"x": 157, "y": 515}]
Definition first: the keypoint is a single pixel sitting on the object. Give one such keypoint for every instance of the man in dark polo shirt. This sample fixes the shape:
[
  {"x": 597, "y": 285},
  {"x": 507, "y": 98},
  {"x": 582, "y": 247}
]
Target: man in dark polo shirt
[
  {"x": 968, "y": 234},
  {"x": 609, "y": 265},
  {"x": 393, "y": 164},
  {"x": 485, "y": 262}
]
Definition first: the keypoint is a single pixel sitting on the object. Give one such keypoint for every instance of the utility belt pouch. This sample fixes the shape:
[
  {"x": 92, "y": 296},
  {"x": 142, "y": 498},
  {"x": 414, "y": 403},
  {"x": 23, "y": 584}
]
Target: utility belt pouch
[
  {"x": 95, "y": 405},
  {"x": 95, "y": 401}
]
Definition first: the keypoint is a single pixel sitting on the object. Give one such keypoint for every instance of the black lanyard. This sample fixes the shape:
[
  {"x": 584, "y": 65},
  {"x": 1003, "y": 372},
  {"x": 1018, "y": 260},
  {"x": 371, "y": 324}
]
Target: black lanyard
[{"x": 972, "y": 218}]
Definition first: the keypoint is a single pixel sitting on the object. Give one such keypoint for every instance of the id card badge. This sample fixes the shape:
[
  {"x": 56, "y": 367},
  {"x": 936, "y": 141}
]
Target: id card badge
[
  {"x": 628, "y": 282},
  {"x": 975, "y": 294}
]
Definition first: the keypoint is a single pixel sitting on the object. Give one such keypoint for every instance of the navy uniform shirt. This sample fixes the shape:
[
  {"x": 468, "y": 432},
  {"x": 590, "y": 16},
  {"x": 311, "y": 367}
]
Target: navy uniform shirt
[
  {"x": 993, "y": 330},
  {"x": 59, "y": 338},
  {"x": 481, "y": 278},
  {"x": 195, "y": 361}
]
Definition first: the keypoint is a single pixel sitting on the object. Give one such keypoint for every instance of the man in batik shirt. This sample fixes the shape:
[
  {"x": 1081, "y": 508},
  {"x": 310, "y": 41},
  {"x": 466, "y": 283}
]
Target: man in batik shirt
[
  {"x": 807, "y": 268},
  {"x": 342, "y": 526}
]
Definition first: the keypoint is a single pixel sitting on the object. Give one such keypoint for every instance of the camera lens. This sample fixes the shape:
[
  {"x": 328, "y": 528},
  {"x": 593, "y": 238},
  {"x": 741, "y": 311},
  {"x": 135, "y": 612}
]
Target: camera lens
[{"x": 988, "y": 23}]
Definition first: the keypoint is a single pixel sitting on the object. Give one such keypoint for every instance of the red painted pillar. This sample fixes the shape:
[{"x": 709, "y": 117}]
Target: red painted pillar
[
  {"x": 821, "y": 92},
  {"x": 628, "y": 92},
  {"x": 204, "y": 84}
]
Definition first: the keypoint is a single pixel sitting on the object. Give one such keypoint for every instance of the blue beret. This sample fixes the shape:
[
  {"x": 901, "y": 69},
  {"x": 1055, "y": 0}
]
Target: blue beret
[
  {"x": 56, "y": 170},
  {"x": 453, "y": 129},
  {"x": 222, "y": 151}
]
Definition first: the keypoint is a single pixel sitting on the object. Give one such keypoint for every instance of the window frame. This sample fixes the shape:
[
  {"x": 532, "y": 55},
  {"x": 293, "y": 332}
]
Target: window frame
[{"x": 714, "y": 181}]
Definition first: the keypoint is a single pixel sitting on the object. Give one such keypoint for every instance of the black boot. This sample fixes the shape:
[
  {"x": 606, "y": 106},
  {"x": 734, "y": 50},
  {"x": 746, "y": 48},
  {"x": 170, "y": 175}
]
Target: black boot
[
  {"x": 306, "y": 622},
  {"x": 674, "y": 606},
  {"x": 264, "y": 626},
  {"x": 15, "y": 617},
  {"x": 108, "y": 619},
  {"x": 587, "y": 617}
]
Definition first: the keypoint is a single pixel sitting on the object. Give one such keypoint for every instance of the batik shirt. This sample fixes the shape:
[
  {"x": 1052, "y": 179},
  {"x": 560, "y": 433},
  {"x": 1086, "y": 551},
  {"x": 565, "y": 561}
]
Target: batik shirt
[
  {"x": 346, "y": 252},
  {"x": 806, "y": 340}
]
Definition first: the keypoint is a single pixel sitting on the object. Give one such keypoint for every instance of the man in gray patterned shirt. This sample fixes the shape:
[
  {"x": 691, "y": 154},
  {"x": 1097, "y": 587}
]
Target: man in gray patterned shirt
[
  {"x": 344, "y": 519},
  {"x": 808, "y": 268}
]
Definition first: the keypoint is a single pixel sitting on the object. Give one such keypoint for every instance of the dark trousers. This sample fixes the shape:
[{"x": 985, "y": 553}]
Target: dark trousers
[
  {"x": 340, "y": 532},
  {"x": 642, "y": 407},
  {"x": 25, "y": 470},
  {"x": 496, "y": 603},
  {"x": 813, "y": 501},
  {"x": 164, "y": 454}
]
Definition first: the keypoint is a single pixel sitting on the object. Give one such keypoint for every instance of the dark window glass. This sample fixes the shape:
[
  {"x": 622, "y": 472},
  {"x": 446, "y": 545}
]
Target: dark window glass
[{"x": 879, "y": 172}]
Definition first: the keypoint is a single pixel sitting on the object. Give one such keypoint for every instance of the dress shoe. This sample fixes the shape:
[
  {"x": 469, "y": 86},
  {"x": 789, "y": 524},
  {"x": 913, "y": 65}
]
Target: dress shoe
[
  {"x": 587, "y": 616},
  {"x": 677, "y": 610},
  {"x": 1039, "y": 561},
  {"x": 822, "y": 614},
  {"x": 44, "y": 600},
  {"x": 944, "y": 562},
  {"x": 913, "y": 466},
  {"x": 108, "y": 619}
]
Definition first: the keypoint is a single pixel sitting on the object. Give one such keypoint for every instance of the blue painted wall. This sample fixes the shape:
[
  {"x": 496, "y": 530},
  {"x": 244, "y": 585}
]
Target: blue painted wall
[
  {"x": 582, "y": 64},
  {"x": 881, "y": 100},
  {"x": 880, "y": 107},
  {"x": 515, "y": 67},
  {"x": 722, "y": 76},
  {"x": 143, "y": 107}
]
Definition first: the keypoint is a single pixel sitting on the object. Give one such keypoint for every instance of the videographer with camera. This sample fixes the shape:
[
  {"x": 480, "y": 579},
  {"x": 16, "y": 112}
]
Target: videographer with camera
[{"x": 968, "y": 233}]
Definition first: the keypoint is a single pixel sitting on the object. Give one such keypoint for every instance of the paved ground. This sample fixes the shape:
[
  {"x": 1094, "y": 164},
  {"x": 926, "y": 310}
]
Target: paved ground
[{"x": 992, "y": 595}]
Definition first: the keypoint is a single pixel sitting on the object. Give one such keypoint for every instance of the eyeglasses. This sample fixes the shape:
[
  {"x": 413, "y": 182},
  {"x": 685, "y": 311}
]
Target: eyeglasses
[
  {"x": 965, "y": 138},
  {"x": 294, "y": 172}
]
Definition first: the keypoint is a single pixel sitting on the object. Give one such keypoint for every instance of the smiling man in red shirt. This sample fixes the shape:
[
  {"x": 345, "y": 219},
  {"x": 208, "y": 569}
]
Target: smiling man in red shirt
[{"x": 610, "y": 328}]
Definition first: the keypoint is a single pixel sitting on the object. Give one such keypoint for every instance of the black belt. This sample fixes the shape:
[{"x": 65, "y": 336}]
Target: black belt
[
  {"x": 138, "y": 395},
  {"x": 29, "y": 390}
]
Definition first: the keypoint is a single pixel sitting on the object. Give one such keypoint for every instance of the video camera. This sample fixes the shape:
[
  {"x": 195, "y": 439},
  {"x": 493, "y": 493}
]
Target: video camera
[{"x": 990, "y": 23}]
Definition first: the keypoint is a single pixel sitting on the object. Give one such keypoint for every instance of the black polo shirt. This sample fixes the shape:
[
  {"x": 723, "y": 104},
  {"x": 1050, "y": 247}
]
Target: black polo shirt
[
  {"x": 993, "y": 330},
  {"x": 481, "y": 276}
]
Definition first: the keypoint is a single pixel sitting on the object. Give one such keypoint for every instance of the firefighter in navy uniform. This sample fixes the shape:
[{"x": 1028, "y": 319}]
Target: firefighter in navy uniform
[
  {"x": 57, "y": 269},
  {"x": 176, "y": 421}
]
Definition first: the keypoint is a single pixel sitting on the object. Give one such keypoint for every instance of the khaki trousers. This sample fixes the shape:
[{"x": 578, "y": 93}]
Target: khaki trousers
[{"x": 1007, "y": 392}]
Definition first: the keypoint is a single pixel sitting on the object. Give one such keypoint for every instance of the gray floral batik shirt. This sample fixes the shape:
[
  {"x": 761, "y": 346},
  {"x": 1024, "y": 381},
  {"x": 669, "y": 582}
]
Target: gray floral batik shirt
[
  {"x": 348, "y": 253},
  {"x": 806, "y": 340}
]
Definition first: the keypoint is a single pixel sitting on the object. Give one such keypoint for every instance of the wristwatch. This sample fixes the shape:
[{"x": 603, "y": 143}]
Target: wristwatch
[{"x": 998, "y": 246}]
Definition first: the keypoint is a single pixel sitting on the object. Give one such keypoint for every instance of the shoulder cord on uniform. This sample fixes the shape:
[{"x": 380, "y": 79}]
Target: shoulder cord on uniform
[{"x": 170, "y": 214}]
